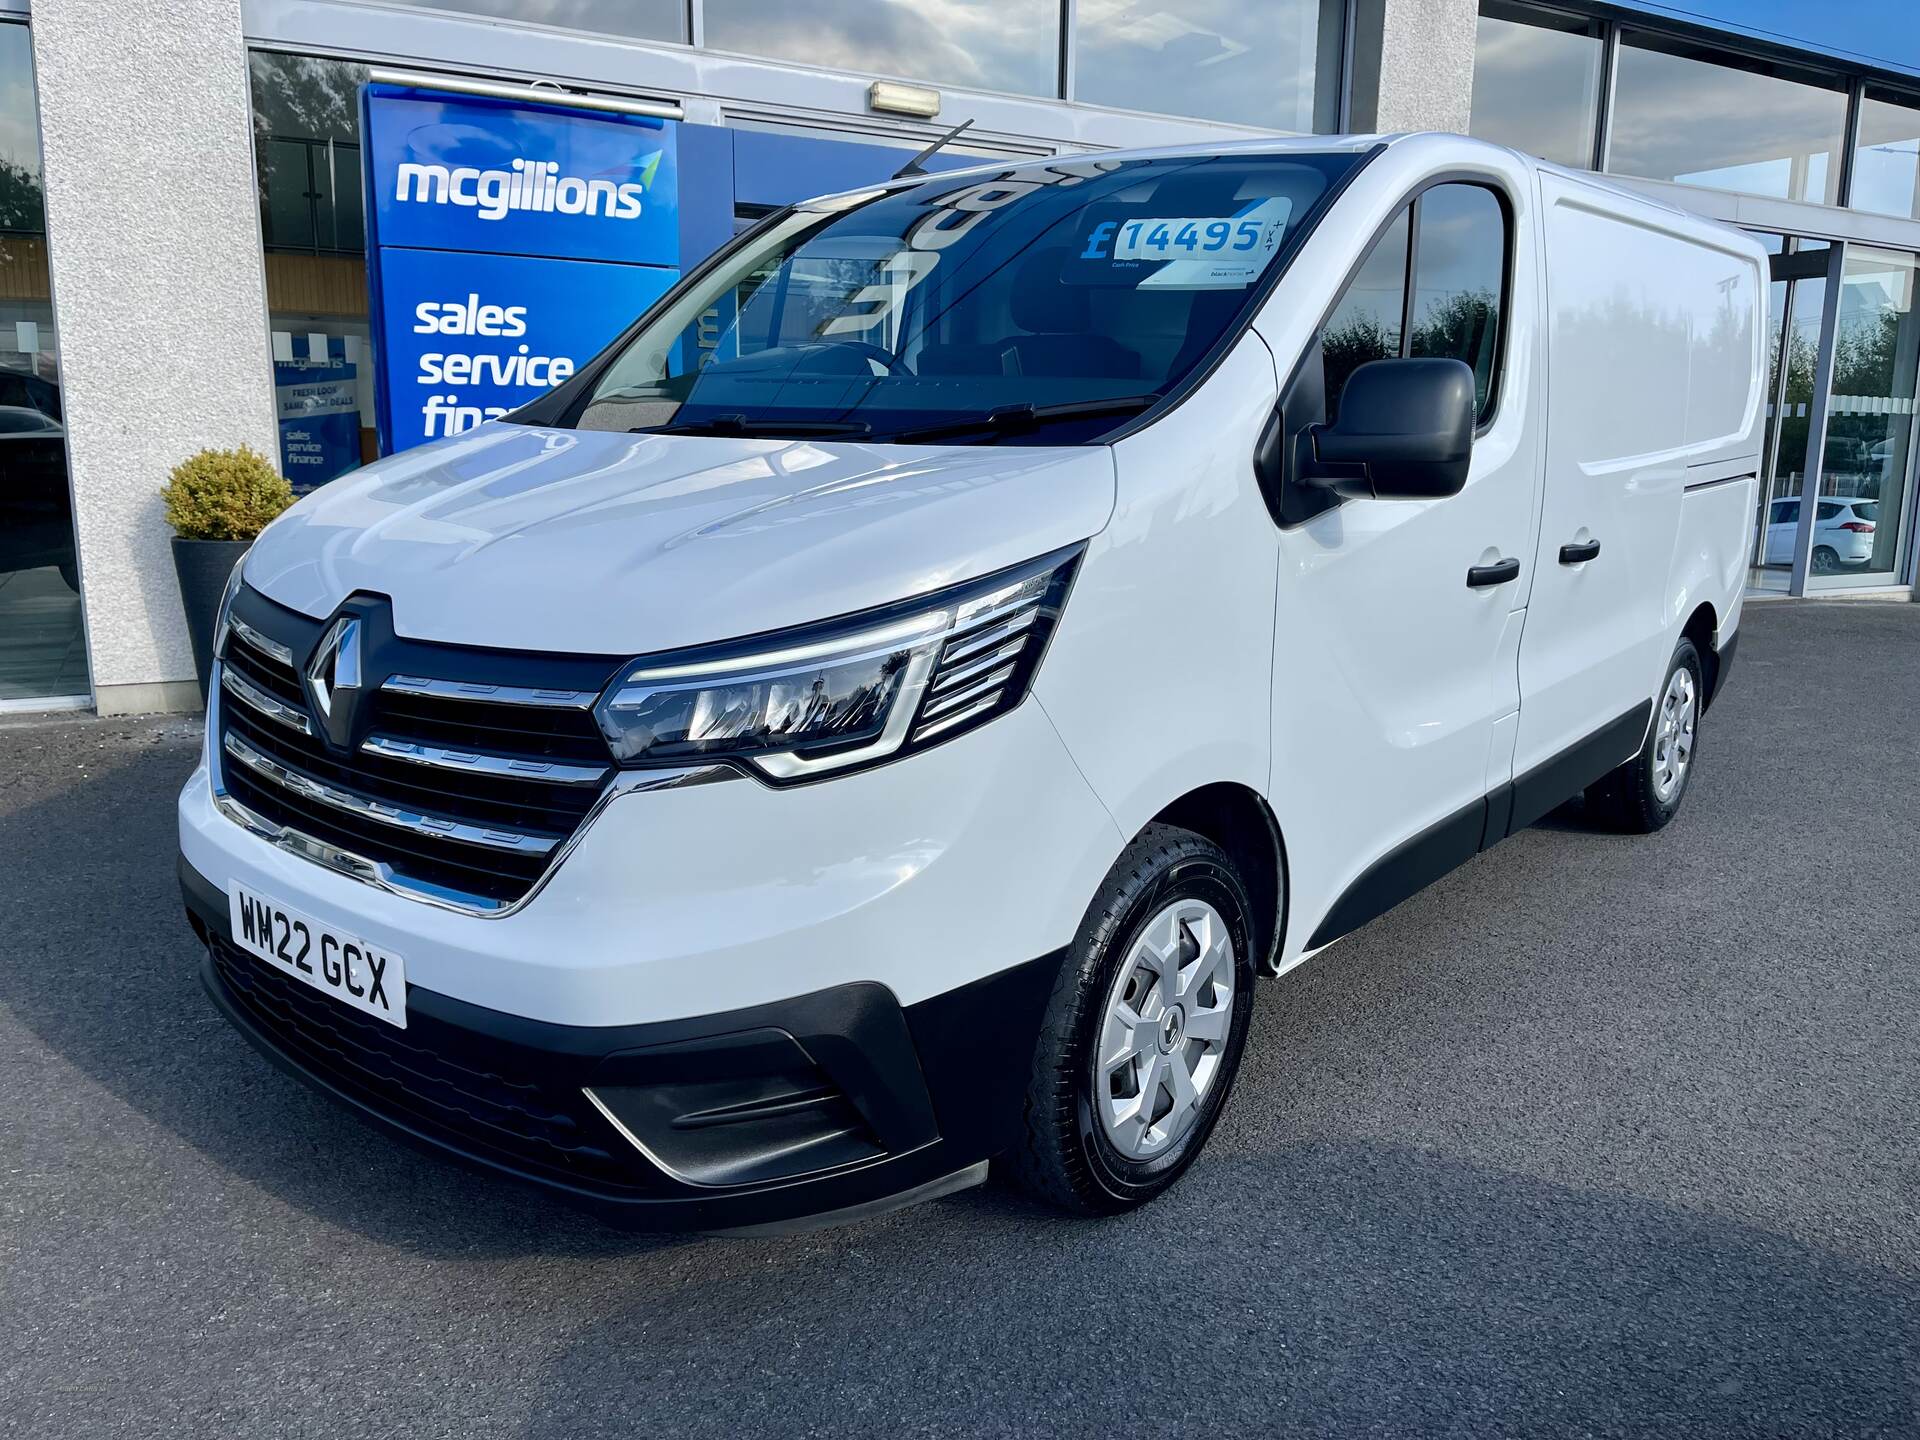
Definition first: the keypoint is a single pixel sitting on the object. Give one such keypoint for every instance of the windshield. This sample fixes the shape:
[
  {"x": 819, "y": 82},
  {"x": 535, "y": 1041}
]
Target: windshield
[{"x": 1057, "y": 297}]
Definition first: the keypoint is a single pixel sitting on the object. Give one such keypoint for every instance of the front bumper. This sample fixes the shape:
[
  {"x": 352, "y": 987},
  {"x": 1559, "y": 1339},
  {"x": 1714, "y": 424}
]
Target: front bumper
[{"x": 826, "y": 1106}]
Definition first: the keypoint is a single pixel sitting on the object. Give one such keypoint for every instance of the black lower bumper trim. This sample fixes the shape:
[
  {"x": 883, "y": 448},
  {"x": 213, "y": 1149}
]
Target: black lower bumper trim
[{"x": 880, "y": 1104}]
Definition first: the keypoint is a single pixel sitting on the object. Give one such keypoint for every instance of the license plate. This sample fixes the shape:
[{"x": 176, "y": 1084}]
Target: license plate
[{"x": 368, "y": 977}]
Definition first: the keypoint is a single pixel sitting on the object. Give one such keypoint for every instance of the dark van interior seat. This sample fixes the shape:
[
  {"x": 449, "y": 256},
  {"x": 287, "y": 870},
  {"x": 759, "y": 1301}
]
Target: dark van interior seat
[{"x": 1060, "y": 337}]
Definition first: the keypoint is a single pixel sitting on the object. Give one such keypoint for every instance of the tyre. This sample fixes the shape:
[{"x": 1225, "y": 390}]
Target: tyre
[
  {"x": 1645, "y": 793},
  {"x": 1144, "y": 1031},
  {"x": 1826, "y": 560}
]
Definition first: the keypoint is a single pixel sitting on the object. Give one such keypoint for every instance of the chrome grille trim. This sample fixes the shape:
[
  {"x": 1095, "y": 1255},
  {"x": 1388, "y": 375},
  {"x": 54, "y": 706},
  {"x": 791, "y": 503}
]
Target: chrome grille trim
[
  {"x": 965, "y": 647},
  {"x": 474, "y": 762},
  {"x": 384, "y": 877},
  {"x": 985, "y": 689},
  {"x": 956, "y": 679},
  {"x": 254, "y": 698},
  {"x": 491, "y": 694},
  {"x": 270, "y": 648},
  {"x": 947, "y": 722},
  {"x": 483, "y": 837}
]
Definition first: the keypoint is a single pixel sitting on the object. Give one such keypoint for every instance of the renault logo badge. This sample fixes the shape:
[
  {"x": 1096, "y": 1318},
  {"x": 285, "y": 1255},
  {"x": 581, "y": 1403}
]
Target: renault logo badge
[{"x": 333, "y": 680}]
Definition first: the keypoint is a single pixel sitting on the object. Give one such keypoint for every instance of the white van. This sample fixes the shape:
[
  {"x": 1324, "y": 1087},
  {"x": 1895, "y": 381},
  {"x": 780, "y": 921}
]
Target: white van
[{"x": 885, "y": 713}]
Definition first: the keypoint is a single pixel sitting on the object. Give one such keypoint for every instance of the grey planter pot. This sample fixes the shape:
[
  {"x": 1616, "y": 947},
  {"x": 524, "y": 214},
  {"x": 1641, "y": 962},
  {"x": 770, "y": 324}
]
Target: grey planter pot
[{"x": 203, "y": 567}]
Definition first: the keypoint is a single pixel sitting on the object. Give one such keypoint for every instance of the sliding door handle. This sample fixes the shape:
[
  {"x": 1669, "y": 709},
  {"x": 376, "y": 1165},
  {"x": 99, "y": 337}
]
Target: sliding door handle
[
  {"x": 1580, "y": 553},
  {"x": 1498, "y": 573}
]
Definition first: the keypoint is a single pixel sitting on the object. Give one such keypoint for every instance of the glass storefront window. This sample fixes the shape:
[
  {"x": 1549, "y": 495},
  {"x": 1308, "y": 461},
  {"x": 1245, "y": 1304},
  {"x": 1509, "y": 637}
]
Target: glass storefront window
[
  {"x": 1866, "y": 463},
  {"x": 1536, "y": 82},
  {"x": 42, "y": 645},
  {"x": 1886, "y": 157},
  {"x": 1010, "y": 45},
  {"x": 634, "y": 19},
  {"x": 1703, "y": 117},
  {"x": 1795, "y": 305},
  {"x": 1274, "y": 65},
  {"x": 306, "y": 120}
]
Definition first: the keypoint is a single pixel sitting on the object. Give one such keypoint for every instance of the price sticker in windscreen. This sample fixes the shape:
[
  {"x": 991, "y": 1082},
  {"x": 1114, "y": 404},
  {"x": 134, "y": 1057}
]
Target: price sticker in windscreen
[{"x": 1205, "y": 252}]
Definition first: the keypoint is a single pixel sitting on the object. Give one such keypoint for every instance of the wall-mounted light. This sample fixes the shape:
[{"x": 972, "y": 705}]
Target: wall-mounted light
[{"x": 921, "y": 100}]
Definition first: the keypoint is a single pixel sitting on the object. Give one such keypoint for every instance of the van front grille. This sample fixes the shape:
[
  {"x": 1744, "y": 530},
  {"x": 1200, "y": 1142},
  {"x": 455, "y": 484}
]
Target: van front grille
[{"x": 458, "y": 786}]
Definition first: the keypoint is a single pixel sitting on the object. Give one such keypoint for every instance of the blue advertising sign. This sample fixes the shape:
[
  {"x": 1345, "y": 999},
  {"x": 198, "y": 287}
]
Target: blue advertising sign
[
  {"x": 508, "y": 243},
  {"x": 319, "y": 421},
  {"x": 472, "y": 340}
]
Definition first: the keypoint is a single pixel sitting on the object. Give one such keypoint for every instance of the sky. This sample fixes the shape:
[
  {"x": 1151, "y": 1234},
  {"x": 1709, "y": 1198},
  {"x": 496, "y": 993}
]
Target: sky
[{"x": 1880, "y": 32}]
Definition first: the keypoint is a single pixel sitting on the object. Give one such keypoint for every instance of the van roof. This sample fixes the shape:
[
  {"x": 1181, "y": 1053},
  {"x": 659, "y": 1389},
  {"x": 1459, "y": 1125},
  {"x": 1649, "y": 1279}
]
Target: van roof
[{"x": 1447, "y": 143}]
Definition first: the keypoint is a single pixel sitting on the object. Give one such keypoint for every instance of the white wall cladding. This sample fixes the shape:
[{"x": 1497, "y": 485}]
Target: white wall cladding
[{"x": 154, "y": 237}]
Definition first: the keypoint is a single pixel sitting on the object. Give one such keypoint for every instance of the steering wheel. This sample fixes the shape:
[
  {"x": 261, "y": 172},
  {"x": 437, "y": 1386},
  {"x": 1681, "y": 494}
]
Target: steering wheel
[{"x": 885, "y": 359}]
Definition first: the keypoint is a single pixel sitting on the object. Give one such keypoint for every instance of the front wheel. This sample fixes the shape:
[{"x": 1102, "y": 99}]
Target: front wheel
[
  {"x": 1645, "y": 793},
  {"x": 1145, "y": 1028}
]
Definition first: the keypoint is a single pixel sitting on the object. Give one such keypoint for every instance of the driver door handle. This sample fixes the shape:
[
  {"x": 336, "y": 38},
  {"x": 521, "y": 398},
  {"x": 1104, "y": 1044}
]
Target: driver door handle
[
  {"x": 1498, "y": 573},
  {"x": 1579, "y": 554}
]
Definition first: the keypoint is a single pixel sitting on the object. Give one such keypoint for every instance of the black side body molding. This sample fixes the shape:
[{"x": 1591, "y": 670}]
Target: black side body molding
[
  {"x": 1404, "y": 871},
  {"x": 1448, "y": 844},
  {"x": 1553, "y": 782}
]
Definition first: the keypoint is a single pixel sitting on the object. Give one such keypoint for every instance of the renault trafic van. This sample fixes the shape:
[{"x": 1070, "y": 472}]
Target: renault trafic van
[{"x": 885, "y": 713}]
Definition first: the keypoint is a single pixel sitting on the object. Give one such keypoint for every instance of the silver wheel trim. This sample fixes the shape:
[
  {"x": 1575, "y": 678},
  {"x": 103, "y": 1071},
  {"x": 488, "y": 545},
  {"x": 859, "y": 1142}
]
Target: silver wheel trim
[
  {"x": 1163, "y": 1030},
  {"x": 1673, "y": 734}
]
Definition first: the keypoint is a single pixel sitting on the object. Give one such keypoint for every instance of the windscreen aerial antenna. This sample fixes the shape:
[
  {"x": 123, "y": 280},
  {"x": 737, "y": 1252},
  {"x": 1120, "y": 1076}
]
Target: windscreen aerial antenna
[{"x": 915, "y": 167}]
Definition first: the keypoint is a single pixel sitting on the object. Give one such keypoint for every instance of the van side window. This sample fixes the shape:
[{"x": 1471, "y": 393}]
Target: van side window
[
  {"x": 1365, "y": 325},
  {"x": 1454, "y": 239},
  {"x": 1459, "y": 277}
]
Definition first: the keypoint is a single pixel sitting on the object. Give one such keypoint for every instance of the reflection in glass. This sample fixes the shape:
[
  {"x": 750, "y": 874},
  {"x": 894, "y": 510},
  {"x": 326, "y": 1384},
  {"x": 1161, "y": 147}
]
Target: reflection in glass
[
  {"x": 1011, "y": 45},
  {"x": 1886, "y": 162},
  {"x": 1864, "y": 467},
  {"x": 1365, "y": 325},
  {"x": 1458, "y": 276},
  {"x": 1041, "y": 306},
  {"x": 306, "y": 122},
  {"x": 636, "y": 19},
  {"x": 1536, "y": 82},
  {"x": 42, "y": 648},
  {"x": 1758, "y": 576},
  {"x": 1788, "y": 424},
  {"x": 1275, "y": 64},
  {"x": 1728, "y": 124},
  {"x": 306, "y": 119}
]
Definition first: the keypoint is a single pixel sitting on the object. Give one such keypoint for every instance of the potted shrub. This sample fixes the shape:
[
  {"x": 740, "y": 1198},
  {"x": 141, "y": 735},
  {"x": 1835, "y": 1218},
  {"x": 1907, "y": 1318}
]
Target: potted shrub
[{"x": 217, "y": 502}]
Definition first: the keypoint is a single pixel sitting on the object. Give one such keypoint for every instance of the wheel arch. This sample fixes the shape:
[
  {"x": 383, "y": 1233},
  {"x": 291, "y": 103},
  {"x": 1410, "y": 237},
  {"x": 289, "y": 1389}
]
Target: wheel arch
[{"x": 1238, "y": 819}]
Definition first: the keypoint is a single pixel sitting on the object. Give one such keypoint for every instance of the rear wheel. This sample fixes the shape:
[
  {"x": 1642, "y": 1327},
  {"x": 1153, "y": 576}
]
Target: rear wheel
[
  {"x": 1645, "y": 793},
  {"x": 1145, "y": 1028},
  {"x": 1826, "y": 560}
]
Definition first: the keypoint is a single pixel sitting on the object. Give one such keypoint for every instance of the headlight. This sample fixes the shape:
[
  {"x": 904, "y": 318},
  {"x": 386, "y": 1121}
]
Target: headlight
[
  {"x": 825, "y": 698},
  {"x": 222, "y": 615}
]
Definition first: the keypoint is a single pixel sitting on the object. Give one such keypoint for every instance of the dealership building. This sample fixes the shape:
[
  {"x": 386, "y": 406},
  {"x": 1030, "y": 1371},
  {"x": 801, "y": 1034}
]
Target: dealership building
[{"x": 185, "y": 241}]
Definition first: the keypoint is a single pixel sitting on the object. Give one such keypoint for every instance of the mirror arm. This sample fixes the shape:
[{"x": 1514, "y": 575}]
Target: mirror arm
[{"x": 1350, "y": 478}]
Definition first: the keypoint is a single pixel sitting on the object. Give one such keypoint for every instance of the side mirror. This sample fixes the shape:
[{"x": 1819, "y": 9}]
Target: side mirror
[{"x": 1404, "y": 432}]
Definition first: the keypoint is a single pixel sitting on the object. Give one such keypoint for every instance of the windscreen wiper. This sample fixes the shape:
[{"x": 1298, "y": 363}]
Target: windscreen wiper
[
  {"x": 1011, "y": 419},
  {"x": 761, "y": 426}
]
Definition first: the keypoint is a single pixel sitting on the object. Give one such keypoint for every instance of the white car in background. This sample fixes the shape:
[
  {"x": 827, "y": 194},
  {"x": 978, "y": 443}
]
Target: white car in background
[{"x": 1842, "y": 533}]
